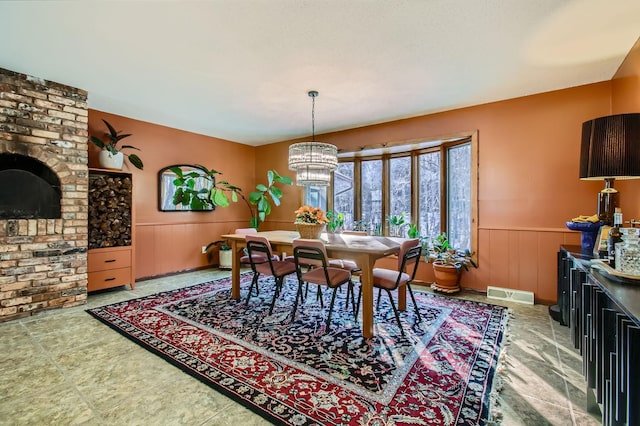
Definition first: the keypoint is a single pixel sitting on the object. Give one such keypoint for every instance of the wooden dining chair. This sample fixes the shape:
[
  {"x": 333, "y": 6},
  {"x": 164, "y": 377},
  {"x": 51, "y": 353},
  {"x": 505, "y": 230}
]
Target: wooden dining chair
[
  {"x": 389, "y": 280},
  {"x": 263, "y": 261},
  {"x": 313, "y": 252}
]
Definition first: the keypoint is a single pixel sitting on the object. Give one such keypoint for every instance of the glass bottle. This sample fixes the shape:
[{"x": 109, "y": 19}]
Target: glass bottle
[{"x": 614, "y": 236}]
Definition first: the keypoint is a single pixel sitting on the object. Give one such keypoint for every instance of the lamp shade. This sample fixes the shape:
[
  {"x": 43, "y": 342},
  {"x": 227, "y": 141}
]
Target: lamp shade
[{"x": 611, "y": 147}]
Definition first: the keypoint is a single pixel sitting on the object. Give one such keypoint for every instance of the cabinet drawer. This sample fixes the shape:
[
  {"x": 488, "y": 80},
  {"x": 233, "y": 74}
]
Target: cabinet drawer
[
  {"x": 110, "y": 278},
  {"x": 108, "y": 260}
]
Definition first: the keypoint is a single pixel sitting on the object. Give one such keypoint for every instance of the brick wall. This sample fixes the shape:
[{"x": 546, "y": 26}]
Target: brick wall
[{"x": 43, "y": 262}]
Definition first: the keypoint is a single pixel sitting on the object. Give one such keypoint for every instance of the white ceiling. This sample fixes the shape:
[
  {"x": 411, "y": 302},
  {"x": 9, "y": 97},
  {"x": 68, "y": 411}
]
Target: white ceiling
[{"x": 241, "y": 69}]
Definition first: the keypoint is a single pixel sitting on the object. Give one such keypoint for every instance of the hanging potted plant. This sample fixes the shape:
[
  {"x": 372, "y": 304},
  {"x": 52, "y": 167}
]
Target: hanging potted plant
[
  {"x": 112, "y": 156},
  {"x": 448, "y": 264}
]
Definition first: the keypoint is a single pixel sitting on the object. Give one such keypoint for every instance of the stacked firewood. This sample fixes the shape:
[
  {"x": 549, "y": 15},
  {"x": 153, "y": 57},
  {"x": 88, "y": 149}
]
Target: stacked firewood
[{"x": 109, "y": 211}]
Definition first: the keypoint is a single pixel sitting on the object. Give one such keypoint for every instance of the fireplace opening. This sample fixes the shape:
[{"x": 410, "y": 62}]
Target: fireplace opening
[{"x": 28, "y": 189}]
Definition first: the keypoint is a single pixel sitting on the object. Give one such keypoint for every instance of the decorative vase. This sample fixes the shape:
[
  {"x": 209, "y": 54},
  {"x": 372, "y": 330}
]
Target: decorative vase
[
  {"x": 447, "y": 278},
  {"x": 310, "y": 231},
  {"x": 107, "y": 160}
]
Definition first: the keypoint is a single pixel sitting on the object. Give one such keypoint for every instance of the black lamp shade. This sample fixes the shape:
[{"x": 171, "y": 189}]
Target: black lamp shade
[{"x": 611, "y": 147}]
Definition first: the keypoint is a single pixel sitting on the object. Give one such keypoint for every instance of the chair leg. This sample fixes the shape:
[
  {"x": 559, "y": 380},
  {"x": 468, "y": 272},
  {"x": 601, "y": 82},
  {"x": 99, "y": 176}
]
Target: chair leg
[
  {"x": 395, "y": 311},
  {"x": 333, "y": 299},
  {"x": 276, "y": 293},
  {"x": 254, "y": 281},
  {"x": 358, "y": 302},
  {"x": 414, "y": 302},
  {"x": 295, "y": 304}
]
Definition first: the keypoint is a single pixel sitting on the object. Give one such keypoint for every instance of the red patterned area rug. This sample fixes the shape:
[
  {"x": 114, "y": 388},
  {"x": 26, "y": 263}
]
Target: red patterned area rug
[{"x": 295, "y": 372}]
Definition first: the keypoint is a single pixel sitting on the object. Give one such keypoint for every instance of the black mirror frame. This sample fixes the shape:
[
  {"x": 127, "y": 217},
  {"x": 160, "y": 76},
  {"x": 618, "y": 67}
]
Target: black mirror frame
[{"x": 166, "y": 189}]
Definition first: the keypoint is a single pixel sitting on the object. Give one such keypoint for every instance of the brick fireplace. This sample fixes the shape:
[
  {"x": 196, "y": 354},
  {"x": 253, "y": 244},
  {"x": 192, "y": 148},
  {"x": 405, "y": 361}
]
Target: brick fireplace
[{"x": 43, "y": 201}]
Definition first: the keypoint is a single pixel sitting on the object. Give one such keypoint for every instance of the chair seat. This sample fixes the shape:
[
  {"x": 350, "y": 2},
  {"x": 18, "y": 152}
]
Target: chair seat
[
  {"x": 337, "y": 276},
  {"x": 280, "y": 268},
  {"x": 349, "y": 265},
  {"x": 387, "y": 278}
]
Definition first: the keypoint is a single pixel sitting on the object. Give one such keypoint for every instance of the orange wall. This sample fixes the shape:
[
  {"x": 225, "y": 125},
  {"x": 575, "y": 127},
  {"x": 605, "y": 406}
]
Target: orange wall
[
  {"x": 528, "y": 179},
  {"x": 171, "y": 241}
]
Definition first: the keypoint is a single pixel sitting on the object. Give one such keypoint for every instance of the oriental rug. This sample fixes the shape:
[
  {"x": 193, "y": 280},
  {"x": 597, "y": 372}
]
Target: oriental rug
[{"x": 296, "y": 372}]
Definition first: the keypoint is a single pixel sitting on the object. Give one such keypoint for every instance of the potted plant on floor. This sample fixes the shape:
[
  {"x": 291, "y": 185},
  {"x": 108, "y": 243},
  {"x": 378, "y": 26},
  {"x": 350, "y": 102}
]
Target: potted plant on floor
[
  {"x": 448, "y": 264},
  {"x": 112, "y": 156},
  {"x": 224, "y": 253}
]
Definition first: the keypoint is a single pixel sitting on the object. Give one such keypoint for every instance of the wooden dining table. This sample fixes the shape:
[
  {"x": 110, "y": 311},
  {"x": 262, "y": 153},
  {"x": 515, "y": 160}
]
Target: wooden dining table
[{"x": 362, "y": 249}]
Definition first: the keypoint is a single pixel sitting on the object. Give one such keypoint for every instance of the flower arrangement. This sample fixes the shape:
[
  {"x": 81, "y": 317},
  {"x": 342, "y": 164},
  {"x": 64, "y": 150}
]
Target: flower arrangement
[{"x": 310, "y": 215}]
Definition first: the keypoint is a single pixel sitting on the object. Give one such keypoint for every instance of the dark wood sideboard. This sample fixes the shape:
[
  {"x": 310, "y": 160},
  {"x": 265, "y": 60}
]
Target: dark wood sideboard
[{"x": 603, "y": 315}]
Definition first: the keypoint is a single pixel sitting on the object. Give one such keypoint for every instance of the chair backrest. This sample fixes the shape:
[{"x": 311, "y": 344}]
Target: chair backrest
[
  {"x": 244, "y": 231},
  {"x": 409, "y": 256},
  {"x": 309, "y": 252},
  {"x": 260, "y": 239}
]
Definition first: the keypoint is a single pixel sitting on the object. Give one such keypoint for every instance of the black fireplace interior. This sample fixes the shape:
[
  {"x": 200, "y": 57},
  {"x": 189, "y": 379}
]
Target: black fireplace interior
[{"x": 28, "y": 189}]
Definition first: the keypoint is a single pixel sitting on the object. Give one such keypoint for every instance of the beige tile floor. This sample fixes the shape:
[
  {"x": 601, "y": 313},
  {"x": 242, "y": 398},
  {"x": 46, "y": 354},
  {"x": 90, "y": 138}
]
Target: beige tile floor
[{"x": 63, "y": 367}]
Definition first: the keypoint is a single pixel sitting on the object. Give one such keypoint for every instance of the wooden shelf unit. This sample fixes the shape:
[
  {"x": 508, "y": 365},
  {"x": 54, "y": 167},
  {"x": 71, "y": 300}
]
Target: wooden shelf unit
[{"x": 111, "y": 265}]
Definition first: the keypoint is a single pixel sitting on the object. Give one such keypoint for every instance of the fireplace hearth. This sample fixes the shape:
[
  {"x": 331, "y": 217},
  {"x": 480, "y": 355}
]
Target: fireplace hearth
[{"x": 43, "y": 195}]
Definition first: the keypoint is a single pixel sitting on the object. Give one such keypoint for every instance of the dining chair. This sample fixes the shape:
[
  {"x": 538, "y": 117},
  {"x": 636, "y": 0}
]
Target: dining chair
[
  {"x": 313, "y": 252},
  {"x": 349, "y": 265},
  {"x": 389, "y": 280},
  {"x": 263, "y": 261},
  {"x": 244, "y": 260}
]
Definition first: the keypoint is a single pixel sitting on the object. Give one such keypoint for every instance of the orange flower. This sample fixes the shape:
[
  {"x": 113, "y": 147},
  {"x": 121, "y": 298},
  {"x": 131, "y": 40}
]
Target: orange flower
[{"x": 308, "y": 214}]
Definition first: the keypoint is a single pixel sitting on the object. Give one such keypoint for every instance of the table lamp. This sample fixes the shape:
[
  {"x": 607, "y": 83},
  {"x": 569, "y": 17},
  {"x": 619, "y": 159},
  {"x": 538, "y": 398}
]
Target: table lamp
[{"x": 610, "y": 150}]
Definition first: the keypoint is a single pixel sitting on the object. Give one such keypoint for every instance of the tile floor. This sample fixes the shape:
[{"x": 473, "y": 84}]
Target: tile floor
[{"x": 64, "y": 367}]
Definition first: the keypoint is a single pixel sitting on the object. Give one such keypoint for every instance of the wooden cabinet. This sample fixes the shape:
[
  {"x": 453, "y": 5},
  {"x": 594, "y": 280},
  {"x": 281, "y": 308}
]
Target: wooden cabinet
[
  {"x": 111, "y": 230},
  {"x": 604, "y": 319}
]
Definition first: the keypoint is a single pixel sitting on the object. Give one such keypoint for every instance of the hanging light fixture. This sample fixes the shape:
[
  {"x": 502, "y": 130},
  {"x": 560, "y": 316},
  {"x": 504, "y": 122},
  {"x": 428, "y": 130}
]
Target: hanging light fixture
[{"x": 313, "y": 161}]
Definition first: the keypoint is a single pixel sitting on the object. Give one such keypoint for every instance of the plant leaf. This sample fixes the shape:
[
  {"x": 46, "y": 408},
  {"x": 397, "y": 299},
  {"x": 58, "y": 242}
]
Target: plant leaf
[{"x": 136, "y": 161}]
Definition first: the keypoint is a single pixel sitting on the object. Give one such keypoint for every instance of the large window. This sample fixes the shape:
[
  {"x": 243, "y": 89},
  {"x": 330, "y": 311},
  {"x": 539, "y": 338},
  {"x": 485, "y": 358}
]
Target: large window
[{"x": 431, "y": 184}]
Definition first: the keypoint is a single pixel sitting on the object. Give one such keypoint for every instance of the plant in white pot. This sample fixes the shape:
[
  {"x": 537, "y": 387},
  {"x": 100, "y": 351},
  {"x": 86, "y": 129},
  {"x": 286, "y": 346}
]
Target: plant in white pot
[
  {"x": 112, "y": 156},
  {"x": 224, "y": 253},
  {"x": 448, "y": 264}
]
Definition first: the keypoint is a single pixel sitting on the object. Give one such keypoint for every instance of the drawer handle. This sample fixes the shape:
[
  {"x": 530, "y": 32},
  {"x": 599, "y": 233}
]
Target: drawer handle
[
  {"x": 109, "y": 279},
  {"x": 109, "y": 261}
]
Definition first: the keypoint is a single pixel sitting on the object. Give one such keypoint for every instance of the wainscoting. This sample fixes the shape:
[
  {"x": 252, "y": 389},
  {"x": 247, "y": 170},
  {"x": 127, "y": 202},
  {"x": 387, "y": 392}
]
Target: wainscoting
[{"x": 520, "y": 259}]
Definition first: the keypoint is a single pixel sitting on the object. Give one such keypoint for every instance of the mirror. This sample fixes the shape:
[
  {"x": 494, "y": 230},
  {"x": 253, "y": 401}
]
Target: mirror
[{"x": 166, "y": 188}]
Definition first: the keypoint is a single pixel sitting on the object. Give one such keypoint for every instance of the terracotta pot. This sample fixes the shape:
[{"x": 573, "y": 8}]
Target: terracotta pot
[
  {"x": 310, "y": 231},
  {"x": 447, "y": 278},
  {"x": 107, "y": 160}
]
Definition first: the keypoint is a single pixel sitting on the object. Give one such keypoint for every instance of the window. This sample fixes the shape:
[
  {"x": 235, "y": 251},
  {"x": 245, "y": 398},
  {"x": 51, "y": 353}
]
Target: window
[{"x": 432, "y": 183}]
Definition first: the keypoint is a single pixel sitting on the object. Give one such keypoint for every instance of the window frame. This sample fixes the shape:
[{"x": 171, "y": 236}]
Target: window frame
[{"x": 414, "y": 148}]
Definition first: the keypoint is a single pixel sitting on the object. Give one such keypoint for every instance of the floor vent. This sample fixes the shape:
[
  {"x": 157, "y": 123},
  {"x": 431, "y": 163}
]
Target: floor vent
[{"x": 510, "y": 295}]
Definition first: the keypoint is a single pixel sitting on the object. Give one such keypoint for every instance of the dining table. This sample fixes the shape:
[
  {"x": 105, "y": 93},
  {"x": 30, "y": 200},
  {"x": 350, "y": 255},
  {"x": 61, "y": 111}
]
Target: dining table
[{"x": 364, "y": 250}]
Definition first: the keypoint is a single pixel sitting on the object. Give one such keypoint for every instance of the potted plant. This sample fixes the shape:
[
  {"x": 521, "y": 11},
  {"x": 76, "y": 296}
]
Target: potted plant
[
  {"x": 396, "y": 224},
  {"x": 224, "y": 253},
  {"x": 221, "y": 193},
  {"x": 448, "y": 264},
  {"x": 310, "y": 221},
  {"x": 112, "y": 156},
  {"x": 336, "y": 221}
]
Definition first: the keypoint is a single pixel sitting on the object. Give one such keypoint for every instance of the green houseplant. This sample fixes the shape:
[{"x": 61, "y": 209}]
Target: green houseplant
[
  {"x": 112, "y": 155},
  {"x": 396, "y": 224},
  {"x": 336, "y": 221},
  {"x": 448, "y": 264},
  {"x": 221, "y": 193}
]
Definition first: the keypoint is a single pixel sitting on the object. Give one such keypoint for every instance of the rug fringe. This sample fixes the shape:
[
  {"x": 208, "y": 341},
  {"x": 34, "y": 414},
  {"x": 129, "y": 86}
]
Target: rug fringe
[{"x": 495, "y": 413}]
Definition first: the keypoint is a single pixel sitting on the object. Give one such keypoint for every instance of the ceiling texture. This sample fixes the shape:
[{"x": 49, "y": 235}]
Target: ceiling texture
[{"x": 240, "y": 69}]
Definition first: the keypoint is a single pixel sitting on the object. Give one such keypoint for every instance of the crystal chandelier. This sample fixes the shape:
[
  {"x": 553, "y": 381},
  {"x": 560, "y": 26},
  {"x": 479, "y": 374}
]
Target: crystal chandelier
[{"x": 313, "y": 161}]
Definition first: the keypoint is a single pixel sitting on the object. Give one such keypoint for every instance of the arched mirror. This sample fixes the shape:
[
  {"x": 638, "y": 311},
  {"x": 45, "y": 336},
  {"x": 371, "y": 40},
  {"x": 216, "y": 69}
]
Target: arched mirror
[{"x": 167, "y": 189}]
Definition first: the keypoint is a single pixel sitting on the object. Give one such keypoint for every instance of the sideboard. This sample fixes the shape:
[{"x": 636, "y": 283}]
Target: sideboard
[{"x": 603, "y": 314}]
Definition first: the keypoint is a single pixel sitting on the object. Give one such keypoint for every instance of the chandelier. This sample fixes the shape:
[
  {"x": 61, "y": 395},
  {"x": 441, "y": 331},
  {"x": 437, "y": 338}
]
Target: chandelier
[{"x": 313, "y": 161}]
